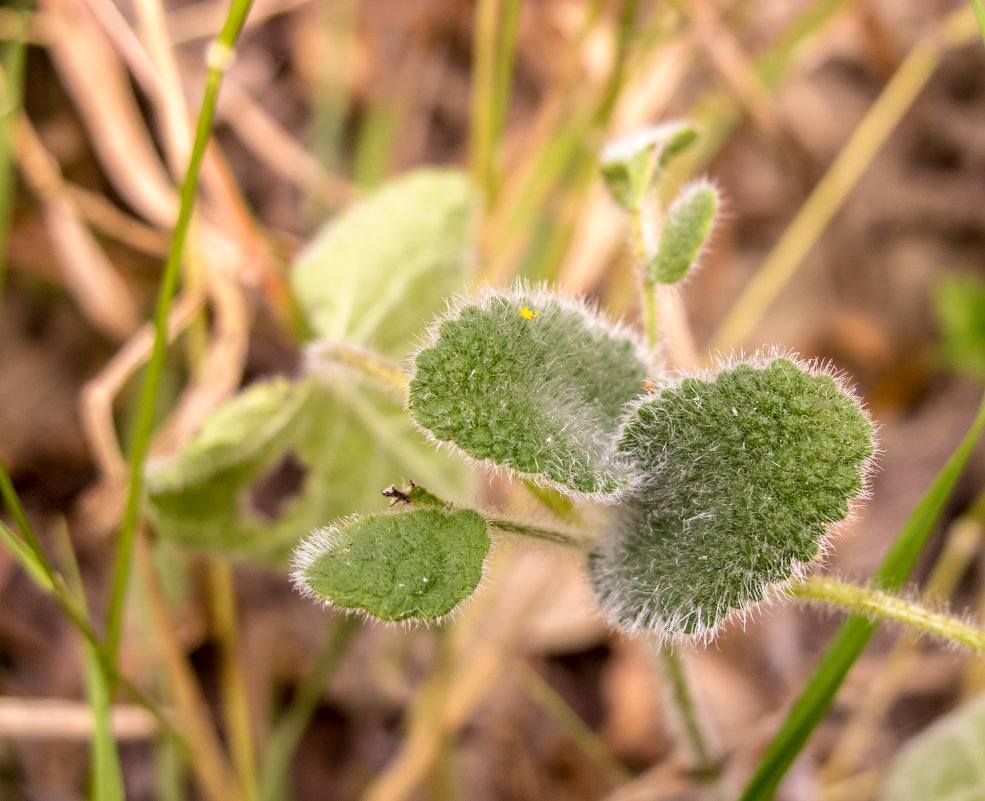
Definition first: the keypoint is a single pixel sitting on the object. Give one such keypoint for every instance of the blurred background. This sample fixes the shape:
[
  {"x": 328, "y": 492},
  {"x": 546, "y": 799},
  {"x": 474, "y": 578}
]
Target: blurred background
[{"x": 848, "y": 140}]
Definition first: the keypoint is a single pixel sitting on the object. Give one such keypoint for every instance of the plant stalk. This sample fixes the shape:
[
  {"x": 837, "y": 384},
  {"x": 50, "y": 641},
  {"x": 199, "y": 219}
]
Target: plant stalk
[{"x": 874, "y": 603}]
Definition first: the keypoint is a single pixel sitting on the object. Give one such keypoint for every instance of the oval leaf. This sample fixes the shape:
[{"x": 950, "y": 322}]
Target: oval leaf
[
  {"x": 416, "y": 565},
  {"x": 685, "y": 229},
  {"x": 738, "y": 480},
  {"x": 533, "y": 382},
  {"x": 375, "y": 272}
]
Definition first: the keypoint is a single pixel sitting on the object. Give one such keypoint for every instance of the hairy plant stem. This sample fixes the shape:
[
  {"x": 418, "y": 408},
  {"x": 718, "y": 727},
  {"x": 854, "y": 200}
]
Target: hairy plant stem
[
  {"x": 370, "y": 364},
  {"x": 875, "y": 603},
  {"x": 557, "y": 536},
  {"x": 220, "y": 58}
]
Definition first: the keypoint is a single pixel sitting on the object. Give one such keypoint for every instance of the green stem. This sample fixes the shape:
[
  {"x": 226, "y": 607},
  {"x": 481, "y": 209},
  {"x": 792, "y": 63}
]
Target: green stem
[
  {"x": 874, "y": 603},
  {"x": 290, "y": 728},
  {"x": 687, "y": 709},
  {"x": 106, "y": 773},
  {"x": 557, "y": 536},
  {"x": 220, "y": 57},
  {"x": 59, "y": 591},
  {"x": 369, "y": 363}
]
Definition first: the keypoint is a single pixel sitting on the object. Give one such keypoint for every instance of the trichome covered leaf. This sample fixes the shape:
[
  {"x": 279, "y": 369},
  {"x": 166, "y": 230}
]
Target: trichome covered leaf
[
  {"x": 685, "y": 228},
  {"x": 415, "y": 565},
  {"x": 737, "y": 481},
  {"x": 531, "y": 381},
  {"x": 631, "y": 165},
  {"x": 375, "y": 272}
]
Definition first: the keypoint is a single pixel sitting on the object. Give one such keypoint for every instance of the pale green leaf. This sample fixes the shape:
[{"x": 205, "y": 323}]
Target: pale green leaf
[
  {"x": 340, "y": 437},
  {"x": 375, "y": 272},
  {"x": 944, "y": 763},
  {"x": 416, "y": 565},
  {"x": 960, "y": 305}
]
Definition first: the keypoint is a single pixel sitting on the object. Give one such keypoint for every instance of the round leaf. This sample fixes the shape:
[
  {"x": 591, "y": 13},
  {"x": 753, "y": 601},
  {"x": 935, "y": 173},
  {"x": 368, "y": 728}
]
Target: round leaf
[
  {"x": 416, "y": 565},
  {"x": 533, "y": 382},
  {"x": 738, "y": 480}
]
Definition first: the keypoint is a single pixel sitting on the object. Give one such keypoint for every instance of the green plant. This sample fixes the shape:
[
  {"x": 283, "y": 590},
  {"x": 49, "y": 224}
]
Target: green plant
[{"x": 717, "y": 490}]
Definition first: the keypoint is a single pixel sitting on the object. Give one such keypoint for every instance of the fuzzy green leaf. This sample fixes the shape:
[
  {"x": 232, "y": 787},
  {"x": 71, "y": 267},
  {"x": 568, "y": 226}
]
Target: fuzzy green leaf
[
  {"x": 416, "y": 565},
  {"x": 376, "y": 271},
  {"x": 738, "y": 479},
  {"x": 685, "y": 228},
  {"x": 960, "y": 305},
  {"x": 944, "y": 763},
  {"x": 630, "y": 166},
  {"x": 337, "y": 438},
  {"x": 533, "y": 382}
]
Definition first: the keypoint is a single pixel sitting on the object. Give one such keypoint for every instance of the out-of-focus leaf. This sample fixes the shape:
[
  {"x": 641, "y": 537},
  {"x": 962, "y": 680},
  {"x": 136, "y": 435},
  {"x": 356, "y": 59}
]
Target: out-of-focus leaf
[
  {"x": 339, "y": 437},
  {"x": 374, "y": 273},
  {"x": 960, "y": 305},
  {"x": 944, "y": 763},
  {"x": 685, "y": 229},
  {"x": 631, "y": 165}
]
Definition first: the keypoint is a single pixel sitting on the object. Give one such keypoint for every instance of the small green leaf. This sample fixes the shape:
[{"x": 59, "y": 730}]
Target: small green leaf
[
  {"x": 738, "y": 479},
  {"x": 533, "y": 382},
  {"x": 630, "y": 166},
  {"x": 373, "y": 274},
  {"x": 416, "y": 565},
  {"x": 944, "y": 763},
  {"x": 338, "y": 438},
  {"x": 685, "y": 228},
  {"x": 960, "y": 305}
]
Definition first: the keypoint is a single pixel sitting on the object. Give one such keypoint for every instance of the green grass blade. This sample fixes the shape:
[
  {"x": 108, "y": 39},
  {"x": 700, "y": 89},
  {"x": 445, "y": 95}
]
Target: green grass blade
[
  {"x": 16, "y": 510},
  {"x": 854, "y": 634},
  {"x": 979, "y": 15},
  {"x": 107, "y": 777},
  {"x": 220, "y": 56},
  {"x": 26, "y": 558},
  {"x": 11, "y": 89},
  {"x": 106, "y": 772}
]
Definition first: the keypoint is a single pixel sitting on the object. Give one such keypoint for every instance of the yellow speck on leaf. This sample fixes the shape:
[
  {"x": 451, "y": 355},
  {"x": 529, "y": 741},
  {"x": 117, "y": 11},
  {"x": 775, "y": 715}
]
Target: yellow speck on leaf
[{"x": 527, "y": 314}]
